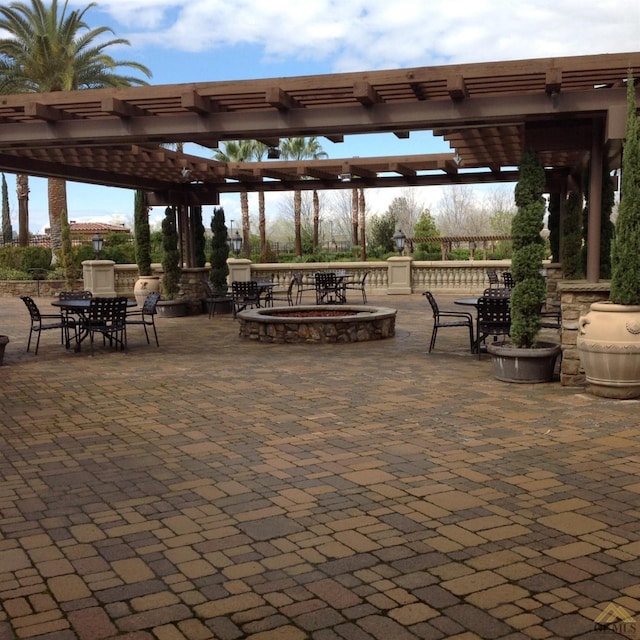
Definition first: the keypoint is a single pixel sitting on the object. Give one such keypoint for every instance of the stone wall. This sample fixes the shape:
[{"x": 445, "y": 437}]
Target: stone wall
[{"x": 576, "y": 299}]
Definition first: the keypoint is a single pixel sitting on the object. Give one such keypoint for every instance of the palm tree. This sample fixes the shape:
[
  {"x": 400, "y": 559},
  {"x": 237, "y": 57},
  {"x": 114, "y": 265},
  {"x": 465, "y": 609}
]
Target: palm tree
[
  {"x": 300, "y": 149},
  {"x": 259, "y": 150},
  {"x": 239, "y": 151},
  {"x": 44, "y": 49}
]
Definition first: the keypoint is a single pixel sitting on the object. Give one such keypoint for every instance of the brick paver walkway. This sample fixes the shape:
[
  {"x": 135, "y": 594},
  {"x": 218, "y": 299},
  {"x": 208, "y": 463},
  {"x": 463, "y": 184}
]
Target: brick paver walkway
[{"x": 220, "y": 489}]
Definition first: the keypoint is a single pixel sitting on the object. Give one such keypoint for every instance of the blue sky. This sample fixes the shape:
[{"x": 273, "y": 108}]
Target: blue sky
[{"x": 209, "y": 40}]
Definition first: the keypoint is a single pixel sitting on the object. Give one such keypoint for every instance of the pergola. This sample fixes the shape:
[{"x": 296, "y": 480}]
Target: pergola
[{"x": 568, "y": 110}]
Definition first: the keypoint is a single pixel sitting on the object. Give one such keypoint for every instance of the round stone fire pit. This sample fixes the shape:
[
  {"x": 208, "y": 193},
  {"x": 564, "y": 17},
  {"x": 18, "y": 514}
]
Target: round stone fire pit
[{"x": 318, "y": 323}]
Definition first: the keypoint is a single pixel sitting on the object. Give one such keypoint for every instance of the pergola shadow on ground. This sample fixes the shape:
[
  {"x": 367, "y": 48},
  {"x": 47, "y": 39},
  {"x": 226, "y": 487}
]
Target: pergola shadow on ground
[{"x": 219, "y": 488}]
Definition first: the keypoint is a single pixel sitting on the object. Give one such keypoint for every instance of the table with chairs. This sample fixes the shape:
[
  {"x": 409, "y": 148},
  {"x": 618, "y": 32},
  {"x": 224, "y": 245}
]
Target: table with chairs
[{"x": 92, "y": 316}]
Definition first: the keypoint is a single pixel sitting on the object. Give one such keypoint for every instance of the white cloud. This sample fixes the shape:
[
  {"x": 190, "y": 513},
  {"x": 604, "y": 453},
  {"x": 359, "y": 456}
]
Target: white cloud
[{"x": 367, "y": 34}]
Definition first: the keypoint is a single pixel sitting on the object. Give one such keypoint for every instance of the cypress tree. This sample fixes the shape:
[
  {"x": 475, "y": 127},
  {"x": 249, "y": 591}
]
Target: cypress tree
[
  {"x": 219, "y": 251},
  {"x": 528, "y": 253},
  {"x": 625, "y": 257},
  {"x": 143, "y": 233},
  {"x": 170, "y": 256}
]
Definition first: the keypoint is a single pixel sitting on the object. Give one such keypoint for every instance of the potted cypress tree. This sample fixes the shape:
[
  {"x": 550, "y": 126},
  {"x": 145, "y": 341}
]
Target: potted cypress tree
[
  {"x": 146, "y": 282},
  {"x": 609, "y": 335},
  {"x": 526, "y": 359},
  {"x": 219, "y": 299},
  {"x": 170, "y": 305},
  {"x": 219, "y": 253}
]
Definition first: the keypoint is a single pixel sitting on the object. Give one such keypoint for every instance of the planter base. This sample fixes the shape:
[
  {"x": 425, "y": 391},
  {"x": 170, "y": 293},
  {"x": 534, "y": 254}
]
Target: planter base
[
  {"x": 511, "y": 364},
  {"x": 172, "y": 308},
  {"x": 4, "y": 341}
]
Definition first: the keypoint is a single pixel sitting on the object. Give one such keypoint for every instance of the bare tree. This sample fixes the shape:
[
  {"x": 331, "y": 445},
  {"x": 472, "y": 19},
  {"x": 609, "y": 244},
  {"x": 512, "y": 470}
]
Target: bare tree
[
  {"x": 407, "y": 209},
  {"x": 459, "y": 214}
]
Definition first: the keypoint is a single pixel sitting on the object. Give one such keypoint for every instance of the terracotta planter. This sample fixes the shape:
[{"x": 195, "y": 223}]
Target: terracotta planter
[
  {"x": 143, "y": 286},
  {"x": 4, "y": 341},
  {"x": 514, "y": 364},
  {"x": 609, "y": 348}
]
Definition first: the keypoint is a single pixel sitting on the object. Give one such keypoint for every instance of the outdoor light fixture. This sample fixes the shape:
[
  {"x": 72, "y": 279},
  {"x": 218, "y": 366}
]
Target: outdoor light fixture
[
  {"x": 398, "y": 240},
  {"x": 344, "y": 177},
  {"x": 273, "y": 153},
  {"x": 457, "y": 159},
  {"x": 98, "y": 242},
  {"x": 236, "y": 243},
  {"x": 185, "y": 173}
]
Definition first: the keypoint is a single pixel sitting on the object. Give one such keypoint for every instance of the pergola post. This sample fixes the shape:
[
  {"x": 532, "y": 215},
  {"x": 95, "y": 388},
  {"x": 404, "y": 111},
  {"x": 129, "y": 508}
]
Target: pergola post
[{"x": 595, "y": 204}]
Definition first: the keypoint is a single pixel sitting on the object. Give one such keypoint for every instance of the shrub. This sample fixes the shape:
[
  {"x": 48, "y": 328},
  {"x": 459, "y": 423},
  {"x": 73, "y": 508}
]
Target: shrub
[{"x": 528, "y": 253}]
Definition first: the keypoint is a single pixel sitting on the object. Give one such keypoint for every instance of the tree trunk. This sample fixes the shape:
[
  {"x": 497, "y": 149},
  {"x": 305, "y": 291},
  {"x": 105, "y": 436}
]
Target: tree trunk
[
  {"x": 262, "y": 224},
  {"x": 246, "y": 234},
  {"x": 57, "y": 192},
  {"x": 316, "y": 219},
  {"x": 22, "y": 184},
  {"x": 363, "y": 234},
  {"x": 354, "y": 217},
  {"x": 297, "y": 212}
]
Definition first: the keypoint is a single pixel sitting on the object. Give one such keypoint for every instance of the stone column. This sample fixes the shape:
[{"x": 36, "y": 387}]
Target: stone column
[
  {"x": 399, "y": 275},
  {"x": 99, "y": 277},
  {"x": 239, "y": 269}
]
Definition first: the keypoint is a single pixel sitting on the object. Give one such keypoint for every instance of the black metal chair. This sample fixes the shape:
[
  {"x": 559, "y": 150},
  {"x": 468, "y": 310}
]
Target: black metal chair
[
  {"x": 507, "y": 280},
  {"x": 214, "y": 298},
  {"x": 493, "y": 319},
  {"x": 302, "y": 285},
  {"x": 494, "y": 280},
  {"x": 329, "y": 288},
  {"x": 442, "y": 319},
  {"x": 244, "y": 294},
  {"x": 146, "y": 316},
  {"x": 44, "y": 322},
  {"x": 108, "y": 316},
  {"x": 284, "y": 295},
  {"x": 73, "y": 319},
  {"x": 358, "y": 285}
]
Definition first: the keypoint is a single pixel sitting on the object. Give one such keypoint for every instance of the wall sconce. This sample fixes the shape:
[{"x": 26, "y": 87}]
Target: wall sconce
[
  {"x": 344, "y": 177},
  {"x": 236, "y": 243},
  {"x": 273, "y": 153},
  {"x": 98, "y": 242},
  {"x": 185, "y": 173},
  {"x": 398, "y": 240},
  {"x": 457, "y": 159}
]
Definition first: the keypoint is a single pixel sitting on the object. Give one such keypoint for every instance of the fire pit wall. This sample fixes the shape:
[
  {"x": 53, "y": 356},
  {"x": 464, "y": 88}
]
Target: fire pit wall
[{"x": 318, "y": 324}]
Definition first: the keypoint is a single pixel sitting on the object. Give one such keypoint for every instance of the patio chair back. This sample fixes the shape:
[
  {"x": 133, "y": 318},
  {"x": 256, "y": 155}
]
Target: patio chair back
[
  {"x": 244, "y": 294},
  {"x": 328, "y": 288},
  {"x": 494, "y": 281},
  {"x": 493, "y": 319},
  {"x": 108, "y": 316},
  {"x": 508, "y": 280}
]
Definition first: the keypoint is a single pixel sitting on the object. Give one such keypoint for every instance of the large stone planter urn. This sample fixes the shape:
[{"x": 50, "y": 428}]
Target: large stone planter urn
[
  {"x": 515, "y": 364},
  {"x": 609, "y": 349},
  {"x": 143, "y": 286}
]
